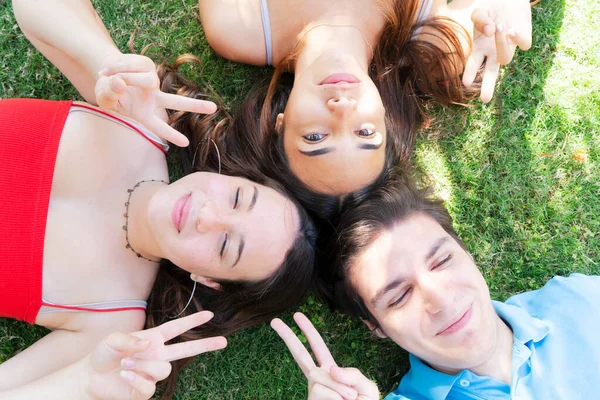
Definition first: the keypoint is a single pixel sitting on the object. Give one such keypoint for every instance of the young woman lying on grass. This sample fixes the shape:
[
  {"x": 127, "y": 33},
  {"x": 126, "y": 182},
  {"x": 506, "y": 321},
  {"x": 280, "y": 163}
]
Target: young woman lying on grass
[
  {"x": 361, "y": 71},
  {"x": 91, "y": 227}
]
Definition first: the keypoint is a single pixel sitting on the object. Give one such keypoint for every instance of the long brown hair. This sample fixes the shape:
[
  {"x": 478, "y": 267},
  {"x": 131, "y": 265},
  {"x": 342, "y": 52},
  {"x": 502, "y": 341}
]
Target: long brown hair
[
  {"x": 238, "y": 304},
  {"x": 408, "y": 72}
]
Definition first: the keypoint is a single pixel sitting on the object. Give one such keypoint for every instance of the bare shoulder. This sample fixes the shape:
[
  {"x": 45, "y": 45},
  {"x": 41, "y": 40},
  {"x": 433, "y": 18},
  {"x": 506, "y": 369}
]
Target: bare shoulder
[
  {"x": 234, "y": 29},
  {"x": 102, "y": 324}
]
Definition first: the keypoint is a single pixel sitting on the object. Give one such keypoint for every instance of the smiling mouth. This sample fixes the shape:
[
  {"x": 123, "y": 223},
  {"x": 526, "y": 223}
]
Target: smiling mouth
[
  {"x": 181, "y": 211},
  {"x": 458, "y": 324}
]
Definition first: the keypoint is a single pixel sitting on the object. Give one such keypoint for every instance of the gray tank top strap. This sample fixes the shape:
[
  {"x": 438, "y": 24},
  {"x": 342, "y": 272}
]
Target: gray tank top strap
[
  {"x": 105, "y": 306},
  {"x": 422, "y": 16},
  {"x": 266, "y": 21}
]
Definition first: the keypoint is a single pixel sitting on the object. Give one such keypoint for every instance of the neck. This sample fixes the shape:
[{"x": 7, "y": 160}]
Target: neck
[
  {"x": 138, "y": 232},
  {"x": 499, "y": 365},
  {"x": 319, "y": 39}
]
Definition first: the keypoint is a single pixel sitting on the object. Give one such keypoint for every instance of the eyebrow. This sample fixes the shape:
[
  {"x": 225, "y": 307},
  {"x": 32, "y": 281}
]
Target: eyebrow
[
  {"x": 318, "y": 152},
  {"x": 240, "y": 250},
  {"x": 397, "y": 282},
  {"x": 436, "y": 246},
  {"x": 391, "y": 286},
  {"x": 325, "y": 150},
  {"x": 242, "y": 240},
  {"x": 253, "y": 201}
]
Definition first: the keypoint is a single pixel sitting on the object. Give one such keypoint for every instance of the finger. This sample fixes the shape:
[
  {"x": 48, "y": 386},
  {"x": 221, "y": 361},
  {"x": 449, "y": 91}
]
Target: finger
[
  {"x": 182, "y": 103},
  {"x": 483, "y": 22},
  {"x": 354, "y": 378},
  {"x": 504, "y": 49},
  {"x": 145, "y": 387},
  {"x": 194, "y": 347},
  {"x": 145, "y": 80},
  {"x": 109, "y": 92},
  {"x": 157, "y": 370},
  {"x": 126, "y": 63},
  {"x": 523, "y": 40},
  {"x": 299, "y": 352},
  {"x": 320, "y": 392},
  {"x": 319, "y": 376},
  {"x": 472, "y": 67},
  {"x": 488, "y": 84},
  {"x": 317, "y": 344},
  {"x": 165, "y": 131},
  {"x": 116, "y": 346},
  {"x": 174, "y": 328}
]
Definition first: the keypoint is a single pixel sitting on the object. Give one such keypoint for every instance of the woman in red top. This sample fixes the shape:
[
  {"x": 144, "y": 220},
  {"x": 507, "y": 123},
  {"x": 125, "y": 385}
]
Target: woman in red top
[{"x": 86, "y": 214}]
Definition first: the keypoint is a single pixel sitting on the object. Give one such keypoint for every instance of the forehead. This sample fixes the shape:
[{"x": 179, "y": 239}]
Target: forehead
[
  {"x": 269, "y": 231},
  {"x": 395, "y": 253},
  {"x": 335, "y": 173}
]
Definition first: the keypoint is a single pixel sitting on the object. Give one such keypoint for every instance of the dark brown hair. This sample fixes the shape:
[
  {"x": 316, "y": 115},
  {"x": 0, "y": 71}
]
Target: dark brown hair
[
  {"x": 394, "y": 201},
  {"x": 238, "y": 304},
  {"x": 408, "y": 72}
]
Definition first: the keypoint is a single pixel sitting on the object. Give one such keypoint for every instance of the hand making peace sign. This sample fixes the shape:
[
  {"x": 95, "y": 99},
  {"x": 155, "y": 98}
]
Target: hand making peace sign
[
  {"x": 326, "y": 381},
  {"x": 499, "y": 27},
  {"x": 129, "y": 85},
  {"x": 127, "y": 366}
]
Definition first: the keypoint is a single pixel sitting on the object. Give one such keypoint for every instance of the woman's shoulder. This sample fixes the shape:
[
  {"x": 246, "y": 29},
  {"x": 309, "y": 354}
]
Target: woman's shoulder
[{"x": 234, "y": 29}]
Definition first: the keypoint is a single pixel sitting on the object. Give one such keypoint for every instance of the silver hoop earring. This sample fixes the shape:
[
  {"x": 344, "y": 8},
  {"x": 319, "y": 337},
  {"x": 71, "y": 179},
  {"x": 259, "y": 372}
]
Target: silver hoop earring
[
  {"x": 216, "y": 148},
  {"x": 188, "y": 303}
]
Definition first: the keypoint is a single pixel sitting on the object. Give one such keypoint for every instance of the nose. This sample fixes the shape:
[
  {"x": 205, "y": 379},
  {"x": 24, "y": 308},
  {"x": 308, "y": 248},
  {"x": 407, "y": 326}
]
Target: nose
[
  {"x": 436, "y": 295},
  {"x": 341, "y": 104},
  {"x": 211, "y": 218}
]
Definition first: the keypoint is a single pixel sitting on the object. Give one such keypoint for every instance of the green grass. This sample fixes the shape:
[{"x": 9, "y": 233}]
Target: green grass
[{"x": 525, "y": 207}]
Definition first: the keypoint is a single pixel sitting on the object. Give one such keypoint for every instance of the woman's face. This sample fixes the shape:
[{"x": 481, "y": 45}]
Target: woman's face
[
  {"x": 334, "y": 126},
  {"x": 223, "y": 227}
]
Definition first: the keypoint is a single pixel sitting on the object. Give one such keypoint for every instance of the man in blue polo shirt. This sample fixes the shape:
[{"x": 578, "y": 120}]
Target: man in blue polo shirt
[{"x": 404, "y": 271}]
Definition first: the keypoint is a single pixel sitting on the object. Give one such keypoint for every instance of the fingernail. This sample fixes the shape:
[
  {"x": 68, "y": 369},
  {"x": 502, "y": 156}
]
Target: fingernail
[
  {"x": 349, "y": 394},
  {"x": 512, "y": 33},
  {"x": 142, "y": 343},
  {"x": 103, "y": 72},
  {"x": 127, "y": 375},
  {"x": 127, "y": 363},
  {"x": 488, "y": 30},
  {"x": 499, "y": 27}
]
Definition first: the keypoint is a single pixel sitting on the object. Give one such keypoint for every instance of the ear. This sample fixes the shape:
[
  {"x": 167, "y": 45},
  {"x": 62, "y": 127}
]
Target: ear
[
  {"x": 377, "y": 331},
  {"x": 208, "y": 282},
  {"x": 279, "y": 123}
]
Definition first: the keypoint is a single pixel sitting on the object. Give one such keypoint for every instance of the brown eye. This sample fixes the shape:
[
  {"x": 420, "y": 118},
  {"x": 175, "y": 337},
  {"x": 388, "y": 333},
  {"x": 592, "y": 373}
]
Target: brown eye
[
  {"x": 314, "y": 137},
  {"x": 365, "y": 132}
]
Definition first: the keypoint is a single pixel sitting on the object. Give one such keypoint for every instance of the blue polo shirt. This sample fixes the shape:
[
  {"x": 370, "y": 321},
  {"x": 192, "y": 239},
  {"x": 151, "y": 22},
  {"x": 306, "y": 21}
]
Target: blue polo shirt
[{"x": 556, "y": 350}]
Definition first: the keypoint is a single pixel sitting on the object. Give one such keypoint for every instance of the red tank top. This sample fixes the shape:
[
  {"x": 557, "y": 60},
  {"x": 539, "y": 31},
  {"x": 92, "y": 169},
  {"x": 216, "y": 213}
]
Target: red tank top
[{"x": 30, "y": 132}]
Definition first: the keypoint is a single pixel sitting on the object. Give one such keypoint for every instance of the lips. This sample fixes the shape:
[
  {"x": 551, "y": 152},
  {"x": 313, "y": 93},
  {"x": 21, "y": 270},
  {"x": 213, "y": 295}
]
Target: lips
[
  {"x": 181, "y": 211},
  {"x": 458, "y": 324},
  {"x": 339, "y": 78}
]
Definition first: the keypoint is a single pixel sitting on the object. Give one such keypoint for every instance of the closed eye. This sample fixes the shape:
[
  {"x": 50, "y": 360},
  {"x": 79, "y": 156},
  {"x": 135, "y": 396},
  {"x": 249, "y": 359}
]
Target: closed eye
[
  {"x": 444, "y": 261},
  {"x": 236, "y": 201},
  {"x": 224, "y": 245},
  {"x": 400, "y": 299}
]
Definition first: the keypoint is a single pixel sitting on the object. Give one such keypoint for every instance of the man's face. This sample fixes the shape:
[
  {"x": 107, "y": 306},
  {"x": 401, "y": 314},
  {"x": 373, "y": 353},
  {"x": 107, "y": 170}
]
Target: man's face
[{"x": 428, "y": 295}]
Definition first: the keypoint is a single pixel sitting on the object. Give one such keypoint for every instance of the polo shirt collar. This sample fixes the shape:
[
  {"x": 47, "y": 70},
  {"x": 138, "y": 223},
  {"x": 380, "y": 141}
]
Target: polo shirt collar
[
  {"x": 436, "y": 385},
  {"x": 525, "y": 327}
]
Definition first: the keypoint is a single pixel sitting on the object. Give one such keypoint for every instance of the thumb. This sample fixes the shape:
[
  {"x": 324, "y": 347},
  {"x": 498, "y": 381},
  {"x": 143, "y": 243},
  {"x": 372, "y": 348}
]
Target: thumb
[
  {"x": 366, "y": 388},
  {"x": 108, "y": 353},
  {"x": 483, "y": 22}
]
